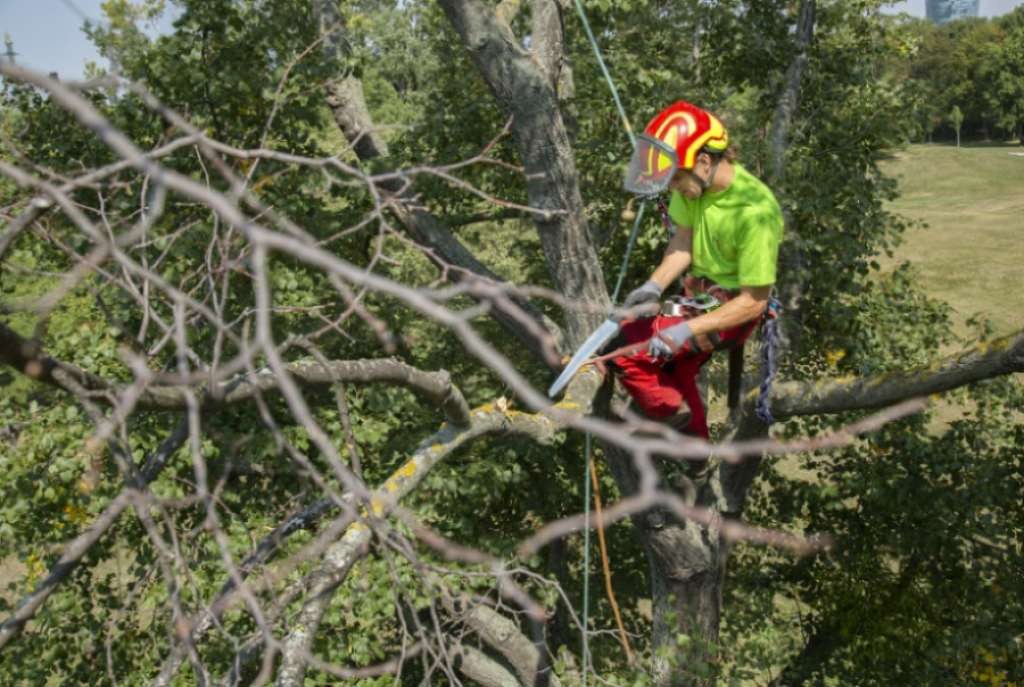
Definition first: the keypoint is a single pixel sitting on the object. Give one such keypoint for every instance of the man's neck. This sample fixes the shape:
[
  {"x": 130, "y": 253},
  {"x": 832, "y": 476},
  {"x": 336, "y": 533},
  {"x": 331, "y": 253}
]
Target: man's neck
[{"x": 724, "y": 175}]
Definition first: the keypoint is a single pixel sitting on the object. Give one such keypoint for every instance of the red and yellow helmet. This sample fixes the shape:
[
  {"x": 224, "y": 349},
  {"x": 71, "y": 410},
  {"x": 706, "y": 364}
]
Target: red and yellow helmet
[{"x": 671, "y": 141}]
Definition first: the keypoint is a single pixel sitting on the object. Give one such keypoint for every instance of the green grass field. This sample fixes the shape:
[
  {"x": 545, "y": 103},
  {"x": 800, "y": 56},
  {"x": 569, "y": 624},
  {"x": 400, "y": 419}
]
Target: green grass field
[{"x": 970, "y": 252}]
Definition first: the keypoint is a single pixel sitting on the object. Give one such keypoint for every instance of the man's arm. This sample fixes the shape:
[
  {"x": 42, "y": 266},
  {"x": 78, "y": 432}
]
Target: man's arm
[
  {"x": 677, "y": 258},
  {"x": 747, "y": 306}
]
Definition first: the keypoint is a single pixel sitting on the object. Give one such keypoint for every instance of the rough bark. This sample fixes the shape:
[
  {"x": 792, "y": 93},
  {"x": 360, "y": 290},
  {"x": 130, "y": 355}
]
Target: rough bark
[
  {"x": 789, "y": 98},
  {"x": 548, "y": 44},
  {"x": 687, "y": 567},
  {"x": 482, "y": 669},
  {"x": 982, "y": 361},
  {"x": 503, "y": 635},
  {"x": 345, "y": 92}
]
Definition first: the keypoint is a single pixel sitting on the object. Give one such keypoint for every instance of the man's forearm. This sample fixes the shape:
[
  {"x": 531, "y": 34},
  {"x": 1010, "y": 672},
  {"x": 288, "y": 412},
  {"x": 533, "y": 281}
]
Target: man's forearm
[
  {"x": 747, "y": 306},
  {"x": 676, "y": 261},
  {"x": 670, "y": 268}
]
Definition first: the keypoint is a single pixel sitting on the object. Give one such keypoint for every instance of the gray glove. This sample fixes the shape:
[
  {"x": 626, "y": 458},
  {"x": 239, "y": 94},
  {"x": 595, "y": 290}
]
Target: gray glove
[
  {"x": 668, "y": 341},
  {"x": 648, "y": 293}
]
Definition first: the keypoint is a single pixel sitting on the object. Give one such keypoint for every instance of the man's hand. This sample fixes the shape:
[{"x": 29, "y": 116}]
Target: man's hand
[
  {"x": 648, "y": 293},
  {"x": 667, "y": 342}
]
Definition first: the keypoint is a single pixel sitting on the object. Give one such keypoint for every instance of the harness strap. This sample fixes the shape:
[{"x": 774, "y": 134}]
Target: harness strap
[{"x": 735, "y": 376}]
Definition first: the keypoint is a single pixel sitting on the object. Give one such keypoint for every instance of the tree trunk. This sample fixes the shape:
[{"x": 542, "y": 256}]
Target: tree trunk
[{"x": 687, "y": 568}]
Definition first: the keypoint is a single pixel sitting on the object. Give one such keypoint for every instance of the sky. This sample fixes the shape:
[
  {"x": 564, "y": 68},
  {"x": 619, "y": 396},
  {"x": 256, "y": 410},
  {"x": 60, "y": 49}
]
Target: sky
[
  {"x": 47, "y": 34},
  {"x": 987, "y": 8}
]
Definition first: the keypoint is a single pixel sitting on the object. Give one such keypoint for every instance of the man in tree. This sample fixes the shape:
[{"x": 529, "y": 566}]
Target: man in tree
[{"x": 728, "y": 229}]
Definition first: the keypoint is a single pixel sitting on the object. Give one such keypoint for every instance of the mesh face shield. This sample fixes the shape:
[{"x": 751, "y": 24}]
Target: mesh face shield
[{"x": 652, "y": 167}]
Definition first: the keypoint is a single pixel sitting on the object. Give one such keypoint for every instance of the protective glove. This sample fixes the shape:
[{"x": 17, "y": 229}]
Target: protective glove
[
  {"x": 667, "y": 342},
  {"x": 648, "y": 293}
]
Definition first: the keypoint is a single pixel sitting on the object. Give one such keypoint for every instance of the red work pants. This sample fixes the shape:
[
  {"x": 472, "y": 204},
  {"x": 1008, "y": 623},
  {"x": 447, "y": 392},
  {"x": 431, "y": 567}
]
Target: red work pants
[{"x": 662, "y": 388}]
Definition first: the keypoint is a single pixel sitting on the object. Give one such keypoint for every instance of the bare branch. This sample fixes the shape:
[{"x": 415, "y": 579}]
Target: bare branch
[
  {"x": 26, "y": 357},
  {"x": 305, "y": 519}
]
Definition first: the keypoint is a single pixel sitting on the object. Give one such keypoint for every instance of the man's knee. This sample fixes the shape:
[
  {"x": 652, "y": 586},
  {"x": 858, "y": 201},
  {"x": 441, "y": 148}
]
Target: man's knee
[{"x": 656, "y": 402}]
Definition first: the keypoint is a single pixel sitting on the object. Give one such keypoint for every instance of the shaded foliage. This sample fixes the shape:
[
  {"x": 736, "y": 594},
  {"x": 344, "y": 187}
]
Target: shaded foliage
[{"x": 925, "y": 577}]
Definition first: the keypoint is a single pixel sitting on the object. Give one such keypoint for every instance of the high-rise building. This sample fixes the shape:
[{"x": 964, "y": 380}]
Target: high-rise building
[{"x": 942, "y": 11}]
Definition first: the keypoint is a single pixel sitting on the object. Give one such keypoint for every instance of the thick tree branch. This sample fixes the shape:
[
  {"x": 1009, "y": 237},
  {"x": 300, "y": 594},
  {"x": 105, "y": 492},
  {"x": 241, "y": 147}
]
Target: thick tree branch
[
  {"x": 446, "y": 251},
  {"x": 789, "y": 99},
  {"x": 503, "y": 635},
  {"x": 548, "y": 37},
  {"x": 548, "y": 44},
  {"x": 345, "y": 93},
  {"x": 481, "y": 669},
  {"x": 435, "y": 387},
  {"x": 982, "y": 361},
  {"x": 791, "y": 253}
]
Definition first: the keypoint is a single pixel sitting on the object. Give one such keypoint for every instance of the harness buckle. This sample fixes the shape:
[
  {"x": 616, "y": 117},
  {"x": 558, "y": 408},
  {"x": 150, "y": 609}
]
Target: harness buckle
[{"x": 676, "y": 306}]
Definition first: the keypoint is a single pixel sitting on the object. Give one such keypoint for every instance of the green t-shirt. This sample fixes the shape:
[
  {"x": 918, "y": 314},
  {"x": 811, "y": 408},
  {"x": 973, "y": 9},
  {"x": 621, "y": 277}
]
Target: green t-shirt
[{"x": 736, "y": 232}]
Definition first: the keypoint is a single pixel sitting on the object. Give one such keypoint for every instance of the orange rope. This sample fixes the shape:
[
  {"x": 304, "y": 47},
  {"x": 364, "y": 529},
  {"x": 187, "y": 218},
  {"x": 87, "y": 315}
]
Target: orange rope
[{"x": 604, "y": 562}]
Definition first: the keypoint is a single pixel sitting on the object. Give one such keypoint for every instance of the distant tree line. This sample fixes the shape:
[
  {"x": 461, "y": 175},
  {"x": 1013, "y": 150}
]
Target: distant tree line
[{"x": 974, "y": 64}]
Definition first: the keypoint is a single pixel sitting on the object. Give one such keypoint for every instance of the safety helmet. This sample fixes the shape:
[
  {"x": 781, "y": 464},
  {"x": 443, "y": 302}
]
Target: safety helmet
[{"x": 671, "y": 141}]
